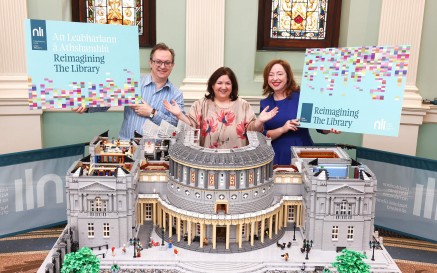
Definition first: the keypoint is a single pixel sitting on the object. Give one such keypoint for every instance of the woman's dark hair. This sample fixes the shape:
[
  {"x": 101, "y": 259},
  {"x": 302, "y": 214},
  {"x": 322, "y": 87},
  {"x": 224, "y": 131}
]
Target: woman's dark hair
[
  {"x": 214, "y": 77},
  {"x": 291, "y": 84}
]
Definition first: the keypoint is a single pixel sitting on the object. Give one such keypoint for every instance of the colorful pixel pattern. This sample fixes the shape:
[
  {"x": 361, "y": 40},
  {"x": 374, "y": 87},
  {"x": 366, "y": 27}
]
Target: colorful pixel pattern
[
  {"x": 350, "y": 65},
  {"x": 107, "y": 94}
]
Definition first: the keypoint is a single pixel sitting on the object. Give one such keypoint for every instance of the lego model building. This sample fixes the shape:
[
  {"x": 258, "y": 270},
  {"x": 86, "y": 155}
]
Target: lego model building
[
  {"x": 102, "y": 192},
  {"x": 218, "y": 196},
  {"x": 338, "y": 198}
]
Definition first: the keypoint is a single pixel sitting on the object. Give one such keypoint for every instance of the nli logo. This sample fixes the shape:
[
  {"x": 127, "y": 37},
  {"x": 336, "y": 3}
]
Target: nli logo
[
  {"x": 382, "y": 125},
  {"x": 25, "y": 191},
  {"x": 38, "y": 34}
]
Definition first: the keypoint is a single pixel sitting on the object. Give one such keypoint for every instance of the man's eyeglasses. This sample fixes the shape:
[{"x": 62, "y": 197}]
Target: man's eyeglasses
[{"x": 159, "y": 63}]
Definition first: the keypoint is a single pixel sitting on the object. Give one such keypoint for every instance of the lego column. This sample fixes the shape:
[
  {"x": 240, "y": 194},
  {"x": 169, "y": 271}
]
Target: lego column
[
  {"x": 170, "y": 225},
  {"x": 285, "y": 212},
  {"x": 178, "y": 227},
  {"x": 240, "y": 235},
  {"x": 154, "y": 214},
  {"x": 20, "y": 128},
  {"x": 205, "y": 32},
  {"x": 276, "y": 223},
  {"x": 202, "y": 235},
  {"x": 214, "y": 235},
  {"x": 395, "y": 30},
  {"x": 252, "y": 232},
  {"x": 263, "y": 223},
  {"x": 228, "y": 229},
  {"x": 190, "y": 235}
]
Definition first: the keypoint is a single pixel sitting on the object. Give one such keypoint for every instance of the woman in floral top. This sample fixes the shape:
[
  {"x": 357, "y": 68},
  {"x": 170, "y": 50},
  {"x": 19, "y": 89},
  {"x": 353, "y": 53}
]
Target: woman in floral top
[{"x": 222, "y": 117}]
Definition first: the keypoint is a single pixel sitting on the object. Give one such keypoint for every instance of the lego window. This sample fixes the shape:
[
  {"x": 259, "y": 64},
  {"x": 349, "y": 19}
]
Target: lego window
[
  {"x": 343, "y": 207},
  {"x": 185, "y": 174},
  {"x": 350, "y": 232},
  {"x": 334, "y": 233},
  {"x": 90, "y": 230},
  {"x": 201, "y": 178},
  {"x": 140, "y": 13},
  {"x": 211, "y": 180},
  {"x": 105, "y": 230},
  {"x": 192, "y": 176},
  {"x": 232, "y": 180},
  {"x": 291, "y": 214},
  {"x": 148, "y": 208},
  {"x": 250, "y": 177},
  {"x": 242, "y": 178},
  {"x": 222, "y": 181},
  {"x": 297, "y": 24}
]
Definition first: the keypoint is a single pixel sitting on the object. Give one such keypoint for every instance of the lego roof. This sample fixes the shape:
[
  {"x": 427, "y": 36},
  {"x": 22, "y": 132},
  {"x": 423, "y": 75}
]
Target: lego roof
[{"x": 256, "y": 153}]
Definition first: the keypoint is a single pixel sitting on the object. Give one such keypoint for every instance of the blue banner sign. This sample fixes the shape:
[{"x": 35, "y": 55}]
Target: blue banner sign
[
  {"x": 407, "y": 192},
  {"x": 32, "y": 187}
]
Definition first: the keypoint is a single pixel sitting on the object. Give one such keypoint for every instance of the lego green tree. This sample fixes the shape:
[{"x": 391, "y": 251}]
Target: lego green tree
[
  {"x": 350, "y": 261},
  {"x": 82, "y": 261}
]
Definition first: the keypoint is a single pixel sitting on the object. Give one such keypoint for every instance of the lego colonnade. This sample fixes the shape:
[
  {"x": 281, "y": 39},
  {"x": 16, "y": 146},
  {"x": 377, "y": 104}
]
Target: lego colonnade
[{"x": 247, "y": 228}]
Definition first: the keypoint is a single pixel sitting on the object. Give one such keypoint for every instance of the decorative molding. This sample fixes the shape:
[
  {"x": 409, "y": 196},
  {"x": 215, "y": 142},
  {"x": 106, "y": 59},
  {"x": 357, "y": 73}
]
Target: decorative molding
[{"x": 431, "y": 114}]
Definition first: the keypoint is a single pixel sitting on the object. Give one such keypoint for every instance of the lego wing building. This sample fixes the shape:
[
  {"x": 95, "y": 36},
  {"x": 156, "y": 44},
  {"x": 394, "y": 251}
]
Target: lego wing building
[{"x": 338, "y": 198}]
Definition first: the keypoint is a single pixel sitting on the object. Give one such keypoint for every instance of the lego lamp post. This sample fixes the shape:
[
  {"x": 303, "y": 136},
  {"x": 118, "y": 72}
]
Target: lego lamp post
[
  {"x": 374, "y": 244},
  {"x": 294, "y": 231},
  {"x": 307, "y": 245},
  {"x": 135, "y": 241}
]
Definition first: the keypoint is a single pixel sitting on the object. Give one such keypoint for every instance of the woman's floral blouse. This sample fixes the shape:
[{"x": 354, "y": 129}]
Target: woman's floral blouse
[{"x": 222, "y": 128}]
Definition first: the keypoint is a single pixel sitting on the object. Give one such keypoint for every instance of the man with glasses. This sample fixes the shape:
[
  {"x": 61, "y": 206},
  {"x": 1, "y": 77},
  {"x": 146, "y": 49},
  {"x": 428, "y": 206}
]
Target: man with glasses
[{"x": 155, "y": 87}]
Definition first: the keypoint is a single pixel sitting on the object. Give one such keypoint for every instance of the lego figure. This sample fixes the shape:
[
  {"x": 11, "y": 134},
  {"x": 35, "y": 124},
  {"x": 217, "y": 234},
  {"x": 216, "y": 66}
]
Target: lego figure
[
  {"x": 113, "y": 251},
  {"x": 123, "y": 249},
  {"x": 285, "y": 256}
]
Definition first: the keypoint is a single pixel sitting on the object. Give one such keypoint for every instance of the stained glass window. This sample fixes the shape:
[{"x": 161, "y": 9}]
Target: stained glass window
[
  {"x": 116, "y": 12},
  {"x": 298, "y": 24},
  {"x": 140, "y": 13},
  {"x": 297, "y": 19}
]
